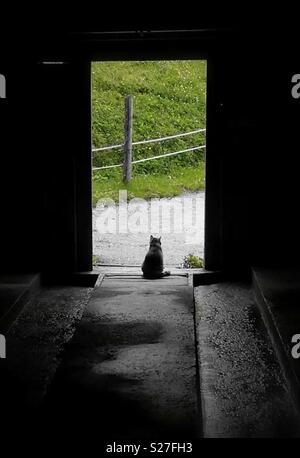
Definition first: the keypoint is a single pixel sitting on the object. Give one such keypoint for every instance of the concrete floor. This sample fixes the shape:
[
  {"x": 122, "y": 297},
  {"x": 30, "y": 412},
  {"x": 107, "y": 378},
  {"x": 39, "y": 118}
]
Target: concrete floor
[
  {"x": 134, "y": 368},
  {"x": 132, "y": 362}
]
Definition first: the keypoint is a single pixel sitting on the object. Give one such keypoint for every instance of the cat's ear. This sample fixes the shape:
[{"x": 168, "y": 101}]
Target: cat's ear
[
  {"x": 151, "y": 238},
  {"x": 159, "y": 239}
]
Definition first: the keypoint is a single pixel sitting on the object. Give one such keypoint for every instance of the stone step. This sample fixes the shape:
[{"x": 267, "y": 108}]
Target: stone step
[
  {"x": 277, "y": 292},
  {"x": 15, "y": 292},
  {"x": 243, "y": 390}
]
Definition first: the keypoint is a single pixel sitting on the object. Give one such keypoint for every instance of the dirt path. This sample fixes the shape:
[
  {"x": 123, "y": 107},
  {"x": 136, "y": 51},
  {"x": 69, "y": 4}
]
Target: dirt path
[{"x": 179, "y": 221}]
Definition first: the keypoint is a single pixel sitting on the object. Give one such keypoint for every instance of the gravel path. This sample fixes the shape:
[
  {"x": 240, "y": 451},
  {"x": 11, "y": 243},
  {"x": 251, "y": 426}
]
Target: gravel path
[{"x": 121, "y": 231}]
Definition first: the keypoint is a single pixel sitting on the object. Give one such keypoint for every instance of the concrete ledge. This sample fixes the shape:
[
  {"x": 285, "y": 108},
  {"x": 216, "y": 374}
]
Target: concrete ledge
[
  {"x": 209, "y": 277},
  {"x": 243, "y": 391},
  {"x": 15, "y": 293},
  {"x": 70, "y": 279},
  {"x": 277, "y": 292},
  {"x": 206, "y": 277}
]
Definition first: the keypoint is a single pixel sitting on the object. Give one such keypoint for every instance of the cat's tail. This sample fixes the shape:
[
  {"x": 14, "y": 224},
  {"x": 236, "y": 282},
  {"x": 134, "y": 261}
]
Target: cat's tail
[
  {"x": 166, "y": 273},
  {"x": 157, "y": 275}
]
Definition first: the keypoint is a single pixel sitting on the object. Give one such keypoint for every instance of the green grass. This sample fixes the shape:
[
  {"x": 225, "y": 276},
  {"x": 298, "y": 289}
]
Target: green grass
[
  {"x": 147, "y": 186},
  {"x": 169, "y": 98}
]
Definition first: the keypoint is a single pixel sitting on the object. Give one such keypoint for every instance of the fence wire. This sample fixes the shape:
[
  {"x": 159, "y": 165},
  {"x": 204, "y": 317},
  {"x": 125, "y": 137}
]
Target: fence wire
[
  {"x": 152, "y": 158},
  {"x": 152, "y": 140}
]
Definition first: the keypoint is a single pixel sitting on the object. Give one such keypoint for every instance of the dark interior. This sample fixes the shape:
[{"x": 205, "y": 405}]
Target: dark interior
[{"x": 252, "y": 173}]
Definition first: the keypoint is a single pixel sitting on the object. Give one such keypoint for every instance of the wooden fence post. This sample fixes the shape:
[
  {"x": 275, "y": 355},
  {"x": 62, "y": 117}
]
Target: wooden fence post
[{"x": 127, "y": 164}]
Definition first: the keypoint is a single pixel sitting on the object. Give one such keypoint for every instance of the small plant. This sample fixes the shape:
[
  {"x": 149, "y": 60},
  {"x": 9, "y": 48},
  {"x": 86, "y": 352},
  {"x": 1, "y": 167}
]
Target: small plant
[
  {"x": 96, "y": 260},
  {"x": 192, "y": 261}
]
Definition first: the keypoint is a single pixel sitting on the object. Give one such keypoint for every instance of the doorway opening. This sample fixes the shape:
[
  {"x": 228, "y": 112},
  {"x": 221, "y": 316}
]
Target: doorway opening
[{"x": 148, "y": 160}]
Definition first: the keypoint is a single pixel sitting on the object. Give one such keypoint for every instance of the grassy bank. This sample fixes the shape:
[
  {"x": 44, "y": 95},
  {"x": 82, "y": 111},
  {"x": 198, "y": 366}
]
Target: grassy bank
[
  {"x": 169, "y": 98},
  {"x": 147, "y": 186}
]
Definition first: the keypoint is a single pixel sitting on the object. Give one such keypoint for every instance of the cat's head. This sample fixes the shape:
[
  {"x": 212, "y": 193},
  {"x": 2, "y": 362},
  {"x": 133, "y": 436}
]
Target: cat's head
[{"x": 155, "y": 240}]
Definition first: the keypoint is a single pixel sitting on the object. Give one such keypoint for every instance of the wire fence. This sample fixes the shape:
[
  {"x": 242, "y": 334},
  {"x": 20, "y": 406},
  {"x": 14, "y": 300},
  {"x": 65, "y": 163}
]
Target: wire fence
[
  {"x": 152, "y": 140},
  {"x": 128, "y": 144},
  {"x": 152, "y": 158}
]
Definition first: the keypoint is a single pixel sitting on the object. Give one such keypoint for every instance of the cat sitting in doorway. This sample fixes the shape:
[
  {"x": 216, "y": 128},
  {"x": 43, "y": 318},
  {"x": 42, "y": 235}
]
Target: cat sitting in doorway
[{"x": 153, "y": 263}]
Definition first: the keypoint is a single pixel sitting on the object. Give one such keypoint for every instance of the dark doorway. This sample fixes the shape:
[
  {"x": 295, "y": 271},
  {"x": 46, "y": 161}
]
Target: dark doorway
[{"x": 165, "y": 195}]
